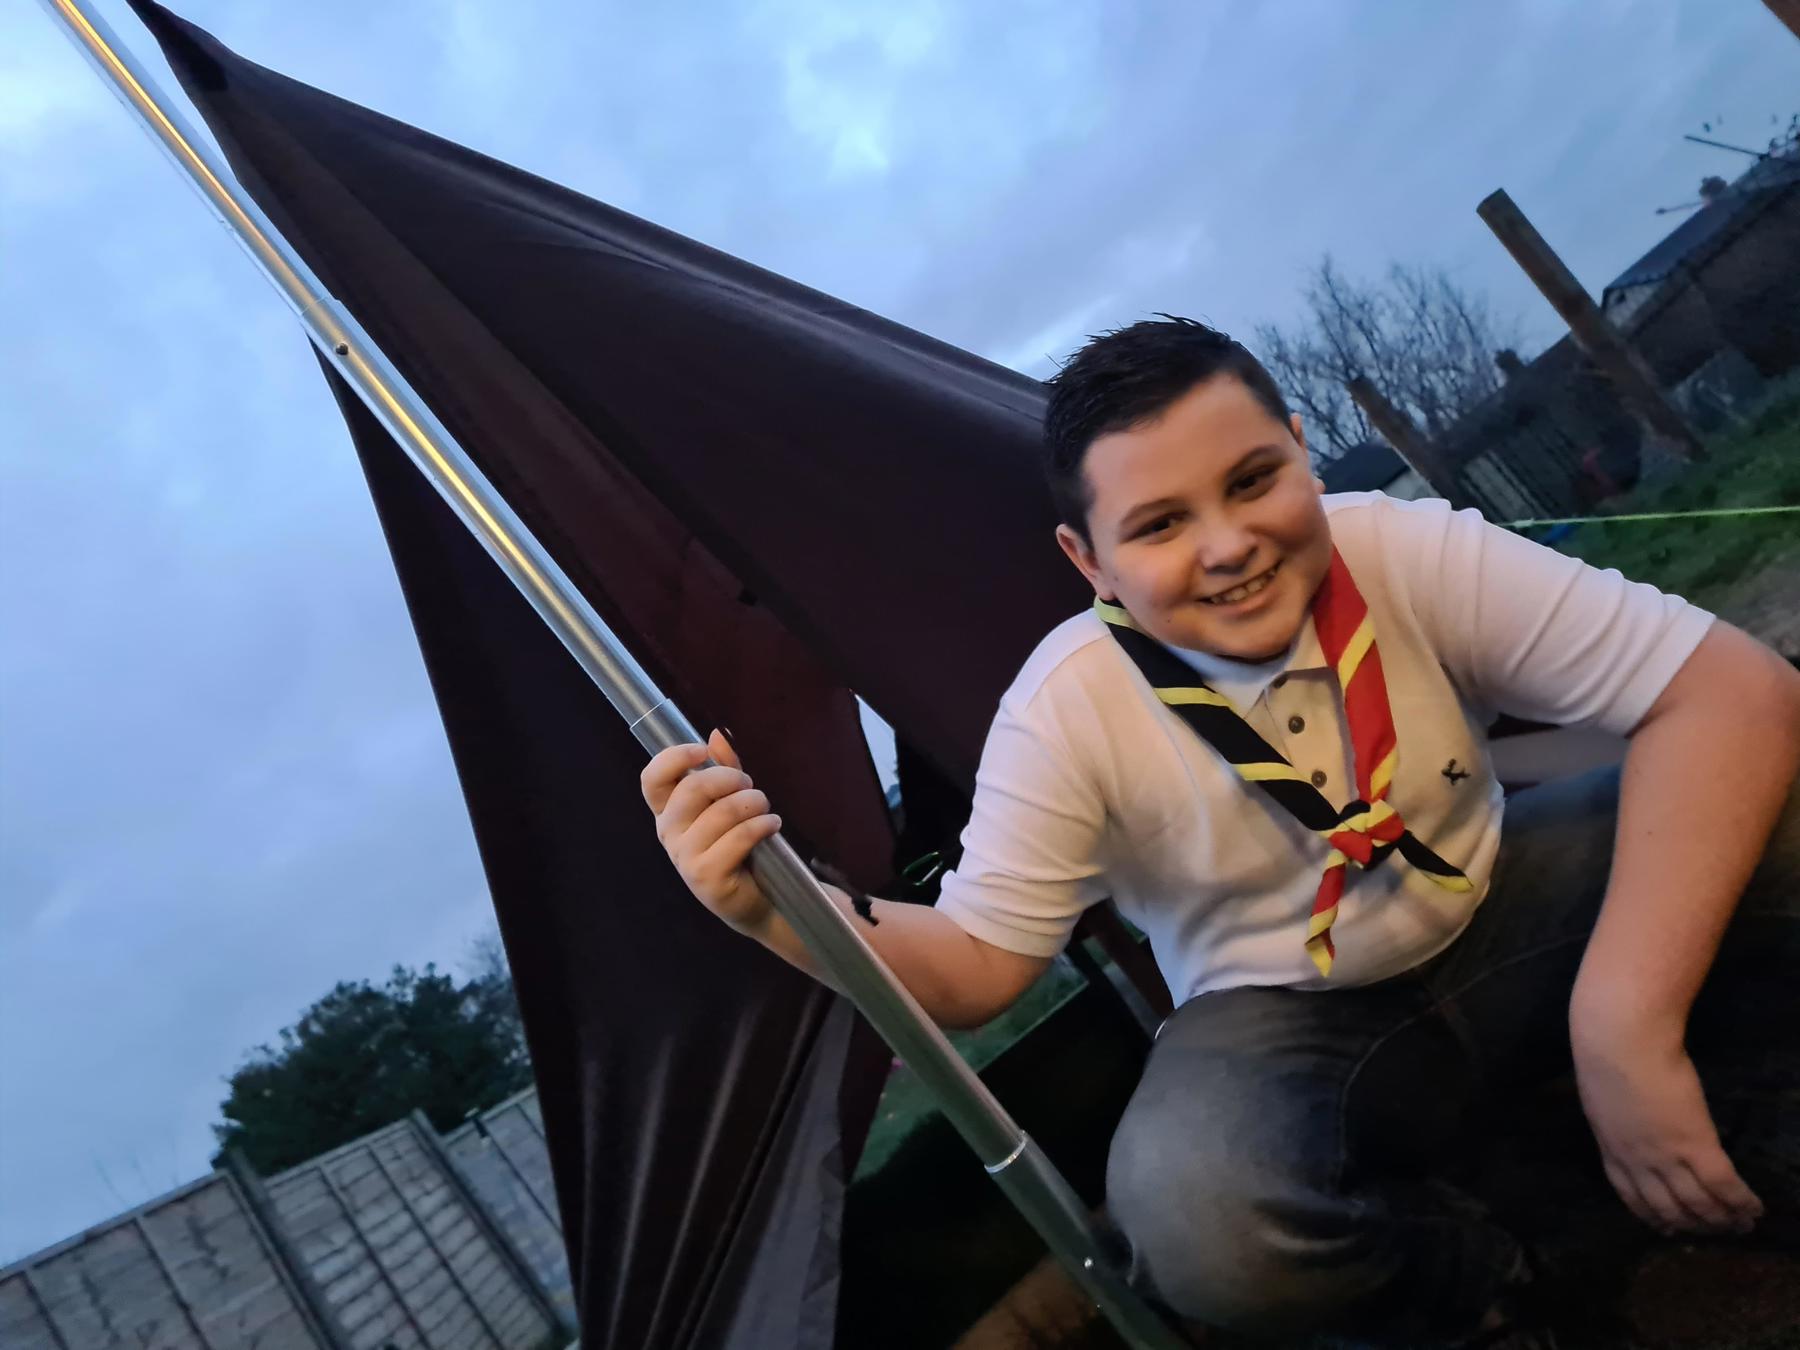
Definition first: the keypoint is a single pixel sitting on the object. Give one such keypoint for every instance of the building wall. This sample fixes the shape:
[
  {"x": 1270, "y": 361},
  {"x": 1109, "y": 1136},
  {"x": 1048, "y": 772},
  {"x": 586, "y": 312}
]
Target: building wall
[{"x": 1746, "y": 295}]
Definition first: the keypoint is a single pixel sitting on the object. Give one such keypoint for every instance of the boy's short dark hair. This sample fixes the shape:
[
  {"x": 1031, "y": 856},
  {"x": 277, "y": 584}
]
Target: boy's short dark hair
[{"x": 1128, "y": 376}]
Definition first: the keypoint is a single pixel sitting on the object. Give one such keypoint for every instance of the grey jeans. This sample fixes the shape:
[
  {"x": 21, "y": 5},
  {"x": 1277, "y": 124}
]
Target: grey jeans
[{"x": 1275, "y": 1169}]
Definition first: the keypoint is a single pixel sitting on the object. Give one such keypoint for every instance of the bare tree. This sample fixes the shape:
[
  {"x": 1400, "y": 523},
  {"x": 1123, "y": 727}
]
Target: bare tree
[{"x": 1425, "y": 342}]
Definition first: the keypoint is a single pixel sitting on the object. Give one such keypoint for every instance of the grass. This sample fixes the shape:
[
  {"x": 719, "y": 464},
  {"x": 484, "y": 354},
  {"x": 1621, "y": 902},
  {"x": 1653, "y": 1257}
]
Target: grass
[{"x": 1710, "y": 560}]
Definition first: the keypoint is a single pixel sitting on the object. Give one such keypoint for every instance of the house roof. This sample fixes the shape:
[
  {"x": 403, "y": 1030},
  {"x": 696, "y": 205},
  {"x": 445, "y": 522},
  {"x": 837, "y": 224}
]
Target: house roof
[
  {"x": 1701, "y": 232},
  {"x": 1367, "y": 467}
]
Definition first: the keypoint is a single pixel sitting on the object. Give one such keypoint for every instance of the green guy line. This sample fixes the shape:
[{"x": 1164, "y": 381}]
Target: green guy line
[{"x": 1657, "y": 515}]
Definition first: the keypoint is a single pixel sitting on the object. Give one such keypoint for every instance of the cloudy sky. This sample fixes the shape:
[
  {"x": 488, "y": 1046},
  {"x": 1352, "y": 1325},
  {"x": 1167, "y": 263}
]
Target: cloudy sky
[{"x": 223, "y": 783}]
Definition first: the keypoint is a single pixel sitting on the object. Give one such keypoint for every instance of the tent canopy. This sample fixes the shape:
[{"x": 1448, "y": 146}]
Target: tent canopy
[{"x": 775, "y": 499}]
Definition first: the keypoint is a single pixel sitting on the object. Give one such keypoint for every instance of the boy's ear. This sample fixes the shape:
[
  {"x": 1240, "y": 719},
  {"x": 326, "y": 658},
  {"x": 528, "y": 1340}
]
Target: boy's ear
[
  {"x": 1083, "y": 557},
  {"x": 1299, "y": 433}
]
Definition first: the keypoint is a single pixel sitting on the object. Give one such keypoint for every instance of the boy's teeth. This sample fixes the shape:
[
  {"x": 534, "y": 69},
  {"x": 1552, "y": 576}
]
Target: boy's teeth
[{"x": 1236, "y": 593}]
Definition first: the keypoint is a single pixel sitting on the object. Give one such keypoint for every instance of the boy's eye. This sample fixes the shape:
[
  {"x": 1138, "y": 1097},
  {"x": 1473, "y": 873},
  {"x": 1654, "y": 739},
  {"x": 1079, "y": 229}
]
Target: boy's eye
[
  {"x": 1156, "y": 526},
  {"x": 1251, "y": 481}
]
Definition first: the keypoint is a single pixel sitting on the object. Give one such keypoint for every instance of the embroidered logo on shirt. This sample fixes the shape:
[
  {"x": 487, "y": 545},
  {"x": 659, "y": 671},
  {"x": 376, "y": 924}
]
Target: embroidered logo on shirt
[{"x": 1454, "y": 774}]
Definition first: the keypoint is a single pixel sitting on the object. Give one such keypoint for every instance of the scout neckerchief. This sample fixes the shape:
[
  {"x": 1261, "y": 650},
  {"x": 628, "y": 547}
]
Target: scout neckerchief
[{"x": 1368, "y": 829}]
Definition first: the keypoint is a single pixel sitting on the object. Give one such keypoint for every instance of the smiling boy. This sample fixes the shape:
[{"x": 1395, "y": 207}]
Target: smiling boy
[{"x": 1266, "y": 743}]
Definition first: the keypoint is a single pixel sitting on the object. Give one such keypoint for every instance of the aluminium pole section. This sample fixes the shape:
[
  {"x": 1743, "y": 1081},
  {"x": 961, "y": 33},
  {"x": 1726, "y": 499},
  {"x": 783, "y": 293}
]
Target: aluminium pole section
[{"x": 1021, "y": 1168}]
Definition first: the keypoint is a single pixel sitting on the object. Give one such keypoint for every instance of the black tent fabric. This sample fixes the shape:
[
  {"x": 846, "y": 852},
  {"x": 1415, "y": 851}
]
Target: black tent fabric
[{"x": 775, "y": 498}]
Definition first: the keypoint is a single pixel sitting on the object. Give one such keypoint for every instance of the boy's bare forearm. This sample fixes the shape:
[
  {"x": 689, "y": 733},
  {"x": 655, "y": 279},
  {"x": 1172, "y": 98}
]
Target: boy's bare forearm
[
  {"x": 940, "y": 964},
  {"x": 1703, "y": 784}
]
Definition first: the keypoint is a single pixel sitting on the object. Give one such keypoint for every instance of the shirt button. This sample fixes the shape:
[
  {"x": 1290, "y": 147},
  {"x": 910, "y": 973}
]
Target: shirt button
[
  {"x": 1296, "y": 725},
  {"x": 1318, "y": 777},
  {"x": 1278, "y": 682}
]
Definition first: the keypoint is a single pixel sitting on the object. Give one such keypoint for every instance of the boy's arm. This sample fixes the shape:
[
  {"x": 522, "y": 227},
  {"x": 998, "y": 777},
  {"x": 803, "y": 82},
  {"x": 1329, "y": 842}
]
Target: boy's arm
[
  {"x": 1714, "y": 721},
  {"x": 1708, "y": 770},
  {"x": 710, "y": 818},
  {"x": 959, "y": 980}
]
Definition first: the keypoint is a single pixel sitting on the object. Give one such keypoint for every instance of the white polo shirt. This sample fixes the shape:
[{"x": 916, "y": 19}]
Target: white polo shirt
[{"x": 1090, "y": 787}]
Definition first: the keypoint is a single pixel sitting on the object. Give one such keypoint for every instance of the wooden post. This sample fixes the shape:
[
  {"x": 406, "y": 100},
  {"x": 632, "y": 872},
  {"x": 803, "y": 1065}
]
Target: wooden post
[
  {"x": 1409, "y": 442},
  {"x": 1627, "y": 371},
  {"x": 1788, "y": 11}
]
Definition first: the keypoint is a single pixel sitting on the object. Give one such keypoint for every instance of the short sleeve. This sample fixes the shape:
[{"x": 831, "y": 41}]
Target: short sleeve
[
  {"x": 1030, "y": 860},
  {"x": 1535, "y": 633}
]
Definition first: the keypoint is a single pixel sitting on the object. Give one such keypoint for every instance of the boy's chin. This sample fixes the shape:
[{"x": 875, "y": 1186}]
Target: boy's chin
[
  {"x": 1251, "y": 644},
  {"x": 1254, "y": 656}
]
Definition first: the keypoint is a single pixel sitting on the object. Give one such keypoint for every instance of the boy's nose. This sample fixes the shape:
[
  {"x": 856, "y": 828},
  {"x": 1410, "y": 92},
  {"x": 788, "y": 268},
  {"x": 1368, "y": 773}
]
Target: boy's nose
[{"x": 1226, "y": 551}]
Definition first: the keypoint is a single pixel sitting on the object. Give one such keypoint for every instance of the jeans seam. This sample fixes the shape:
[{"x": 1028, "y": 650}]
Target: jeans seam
[
  {"x": 1436, "y": 1005},
  {"x": 1512, "y": 960},
  {"x": 1343, "y": 1102}
]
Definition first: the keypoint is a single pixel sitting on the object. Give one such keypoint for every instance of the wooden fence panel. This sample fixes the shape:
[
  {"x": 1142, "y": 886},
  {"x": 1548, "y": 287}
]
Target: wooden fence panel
[
  {"x": 385, "y": 1242},
  {"x": 188, "y": 1271},
  {"x": 503, "y": 1156},
  {"x": 402, "y": 1259}
]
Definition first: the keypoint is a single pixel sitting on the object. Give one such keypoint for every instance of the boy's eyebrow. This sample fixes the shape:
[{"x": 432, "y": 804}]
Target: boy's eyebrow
[
  {"x": 1158, "y": 504},
  {"x": 1249, "y": 455}
]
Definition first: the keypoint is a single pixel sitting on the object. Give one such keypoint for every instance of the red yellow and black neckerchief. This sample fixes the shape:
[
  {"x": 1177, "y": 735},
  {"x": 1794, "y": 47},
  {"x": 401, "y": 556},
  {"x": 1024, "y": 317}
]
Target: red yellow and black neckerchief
[{"x": 1368, "y": 829}]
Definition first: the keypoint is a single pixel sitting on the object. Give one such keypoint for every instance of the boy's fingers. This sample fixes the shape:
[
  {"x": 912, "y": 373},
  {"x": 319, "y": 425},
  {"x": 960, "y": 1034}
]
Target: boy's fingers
[
  {"x": 1702, "y": 1209},
  {"x": 694, "y": 795},
  {"x": 1626, "y": 1186},
  {"x": 718, "y": 820},
  {"x": 1723, "y": 1182},
  {"x": 1675, "y": 1214},
  {"x": 665, "y": 769},
  {"x": 730, "y": 852},
  {"x": 669, "y": 768}
]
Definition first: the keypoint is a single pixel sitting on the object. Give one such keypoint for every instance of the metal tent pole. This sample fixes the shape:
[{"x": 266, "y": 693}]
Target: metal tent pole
[{"x": 1027, "y": 1176}]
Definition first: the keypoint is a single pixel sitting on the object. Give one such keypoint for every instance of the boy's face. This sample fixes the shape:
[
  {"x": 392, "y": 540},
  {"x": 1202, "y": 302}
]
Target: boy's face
[{"x": 1206, "y": 524}]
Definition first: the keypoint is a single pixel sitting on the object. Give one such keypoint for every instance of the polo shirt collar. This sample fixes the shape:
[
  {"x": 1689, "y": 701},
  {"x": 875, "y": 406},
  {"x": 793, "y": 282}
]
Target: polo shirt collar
[{"x": 1245, "y": 682}]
